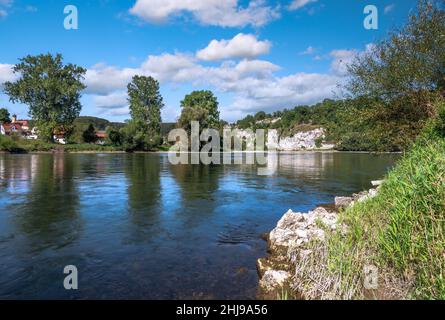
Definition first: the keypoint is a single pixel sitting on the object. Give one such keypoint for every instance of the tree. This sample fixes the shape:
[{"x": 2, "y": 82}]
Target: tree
[
  {"x": 146, "y": 103},
  {"x": 405, "y": 71},
  {"x": 133, "y": 138},
  {"x": 89, "y": 135},
  {"x": 4, "y": 116},
  {"x": 114, "y": 136},
  {"x": 52, "y": 91},
  {"x": 201, "y": 106}
]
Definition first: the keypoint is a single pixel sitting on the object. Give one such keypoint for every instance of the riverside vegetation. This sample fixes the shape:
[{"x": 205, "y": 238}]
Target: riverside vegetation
[
  {"x": 395, "y": 102},
  {"x": 400, "y": 229}
]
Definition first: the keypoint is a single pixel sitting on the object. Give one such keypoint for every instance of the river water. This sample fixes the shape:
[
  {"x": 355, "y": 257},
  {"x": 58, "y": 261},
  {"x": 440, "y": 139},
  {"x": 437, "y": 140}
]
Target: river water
[{"x": 138, "y": 227}]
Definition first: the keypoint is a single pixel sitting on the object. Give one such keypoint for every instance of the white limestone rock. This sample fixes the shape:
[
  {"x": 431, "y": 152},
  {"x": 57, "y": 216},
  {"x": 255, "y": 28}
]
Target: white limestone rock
[{"x": 273, "y": 280}]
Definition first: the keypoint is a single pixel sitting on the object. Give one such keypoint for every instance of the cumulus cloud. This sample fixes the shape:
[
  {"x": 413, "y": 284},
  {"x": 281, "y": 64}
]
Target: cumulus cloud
[
  {"x": 172, "y": 67},
  {"x": 252, "y": 84},
  {"x": 280, "y": 92},
  {"x": 240, "y": 46},
  {"x": 298, "y": 4},
  {"x": 6, "y": 74},
  {"x": 342, "y": 58},
  {"x": 227, "y": 13},
  {"x": 115, "y": 100},
  {"x": 103, "y": 79}
]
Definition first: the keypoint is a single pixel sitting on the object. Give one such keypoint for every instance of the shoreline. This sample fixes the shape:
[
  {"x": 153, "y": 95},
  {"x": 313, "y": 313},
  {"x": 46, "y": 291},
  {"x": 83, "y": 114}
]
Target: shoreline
[
  {"x": 168, "y": 152},
  {"x": 288, "y": 250}
]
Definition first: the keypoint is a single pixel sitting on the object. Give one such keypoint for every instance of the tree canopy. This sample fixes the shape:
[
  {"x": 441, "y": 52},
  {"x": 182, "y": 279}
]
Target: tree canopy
[
  {"x": 406, "y": 70},
  {"x": 201, "y": 106},
  {"x": 146, "y": 102},
  {"x": 51, "y": 89},
  {"x": 4, "y": 115}
]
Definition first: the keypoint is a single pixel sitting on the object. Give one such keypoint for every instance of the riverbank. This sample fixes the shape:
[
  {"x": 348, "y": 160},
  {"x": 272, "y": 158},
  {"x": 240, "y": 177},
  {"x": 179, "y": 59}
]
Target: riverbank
[
  {"x": 386, "y": 243},
  {"x": 290, "y": 246}
]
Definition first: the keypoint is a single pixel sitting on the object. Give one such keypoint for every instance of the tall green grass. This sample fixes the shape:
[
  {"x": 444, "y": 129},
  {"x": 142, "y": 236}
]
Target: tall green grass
[{"x": 402, "y": 230}]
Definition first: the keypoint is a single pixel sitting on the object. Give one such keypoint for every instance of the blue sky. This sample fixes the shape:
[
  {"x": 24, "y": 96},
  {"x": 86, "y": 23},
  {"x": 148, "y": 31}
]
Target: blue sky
[{"x": 254, "y": 55}]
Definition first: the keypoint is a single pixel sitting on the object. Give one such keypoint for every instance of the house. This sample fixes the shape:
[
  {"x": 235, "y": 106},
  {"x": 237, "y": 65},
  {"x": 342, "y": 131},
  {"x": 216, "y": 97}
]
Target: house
[
  {"x": 59, "y": 136},
  {"x": 100, "y": 137},
  {"x": 23, "y": 123},
  {"x": 8, "y": 129},
  {"x": 17, "y": 127}
]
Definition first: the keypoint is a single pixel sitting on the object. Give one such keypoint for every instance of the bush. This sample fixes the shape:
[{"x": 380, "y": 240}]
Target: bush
[
  {"x": 89, "y": 135},
  {"x": 8, "y": 144}
]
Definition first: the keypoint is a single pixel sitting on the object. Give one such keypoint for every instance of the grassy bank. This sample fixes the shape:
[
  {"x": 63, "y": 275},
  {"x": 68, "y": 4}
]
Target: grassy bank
[
  {"x": 24, "y": 146},
  {"x": 401, "y": 232}
]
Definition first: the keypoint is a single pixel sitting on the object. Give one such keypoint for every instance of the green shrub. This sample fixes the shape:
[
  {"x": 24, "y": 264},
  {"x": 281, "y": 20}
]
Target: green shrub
[{"x": 8, "y": 144}]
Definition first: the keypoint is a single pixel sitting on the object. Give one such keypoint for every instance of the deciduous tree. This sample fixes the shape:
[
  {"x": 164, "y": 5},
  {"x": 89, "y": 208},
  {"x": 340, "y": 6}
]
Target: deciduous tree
[{"x": 51, "y": 89}]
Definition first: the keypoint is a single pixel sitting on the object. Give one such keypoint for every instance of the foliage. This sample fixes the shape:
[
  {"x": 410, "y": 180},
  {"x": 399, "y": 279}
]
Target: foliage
[
  {"x": 89, "y": 135},
  {"x": 405, "y": 70},
  {"x": 135, "y": 139},
  {"x": 4, "y": 116},
  {"x": 114, "y": 136},
  {"x": 8, "y": 144},
  {"x": 403, "y": 228},
  {"x": 50, "y": 89},
  {"x": 98, "y": 123},
  {"x": 146, "y": 102},
  {"x": 201, "y": 106}
]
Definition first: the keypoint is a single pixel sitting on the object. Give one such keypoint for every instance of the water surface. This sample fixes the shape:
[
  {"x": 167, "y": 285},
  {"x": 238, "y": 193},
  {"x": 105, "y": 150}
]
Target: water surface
[{"x": 137, "y": 227}]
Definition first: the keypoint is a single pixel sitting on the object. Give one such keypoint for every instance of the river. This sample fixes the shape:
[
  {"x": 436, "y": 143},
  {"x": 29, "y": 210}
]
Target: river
[{"x": 138, "y": 227}]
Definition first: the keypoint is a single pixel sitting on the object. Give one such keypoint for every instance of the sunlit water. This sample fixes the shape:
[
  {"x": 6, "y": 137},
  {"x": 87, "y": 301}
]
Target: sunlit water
[{"x": 137, "y": 227}]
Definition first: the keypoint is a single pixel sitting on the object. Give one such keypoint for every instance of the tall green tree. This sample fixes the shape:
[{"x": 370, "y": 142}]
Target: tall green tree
[
  {"x": 201, "y": 106},
  {"x": 51, "y": 89},
  {"x": 4, "y": 115},
  {"x": 146, "y": 103},
  {"x": 405, "y": 71}
]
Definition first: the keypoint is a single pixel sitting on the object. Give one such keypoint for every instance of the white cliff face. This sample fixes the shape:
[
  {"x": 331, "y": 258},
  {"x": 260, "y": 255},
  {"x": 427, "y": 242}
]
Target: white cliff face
[{"x": 306, "y": 140}]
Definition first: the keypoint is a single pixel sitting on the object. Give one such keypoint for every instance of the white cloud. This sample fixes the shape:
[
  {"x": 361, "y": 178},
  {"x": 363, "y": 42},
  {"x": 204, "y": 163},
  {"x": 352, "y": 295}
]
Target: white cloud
[
  {"x": 389, "y": 8},
  {"x": 225, "y": 13},
  {"x": 250, "y": 85},
  {"x": 103, "y": 79},
  {"x": 6, "y": 73},
  {"x": 114, "y": 100},
  {"x": 309, "y": 51},
  {"x": 298, "y": 4},
  {"x": 342, "y": 58},
  {"x": 240, "y": 46},
  {"x": 282, "y": 92},
  {"x": 172, "y": 67},
  {"x": 4, "y": 5}
]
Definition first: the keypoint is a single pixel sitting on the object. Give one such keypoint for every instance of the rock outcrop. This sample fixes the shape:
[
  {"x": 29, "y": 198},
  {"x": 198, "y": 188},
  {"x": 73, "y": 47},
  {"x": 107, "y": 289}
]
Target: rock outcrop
[
  {"x": 304, "y": 140},
  {"x": 292, "y": 234}
]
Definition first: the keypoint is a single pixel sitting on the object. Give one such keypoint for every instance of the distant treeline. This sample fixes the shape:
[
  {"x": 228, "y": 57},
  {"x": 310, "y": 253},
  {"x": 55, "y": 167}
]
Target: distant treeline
[{"x": 359, "y": 124}]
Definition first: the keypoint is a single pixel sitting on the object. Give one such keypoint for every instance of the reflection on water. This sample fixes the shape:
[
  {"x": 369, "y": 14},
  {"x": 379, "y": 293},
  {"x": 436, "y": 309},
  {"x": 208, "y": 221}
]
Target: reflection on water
[{"x": 139, "y": 228}]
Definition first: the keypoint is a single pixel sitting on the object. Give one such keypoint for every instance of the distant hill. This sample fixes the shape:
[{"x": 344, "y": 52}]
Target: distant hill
[
  {"x": 98, "y": 123},
  {"x": 101, "y": 124}
]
